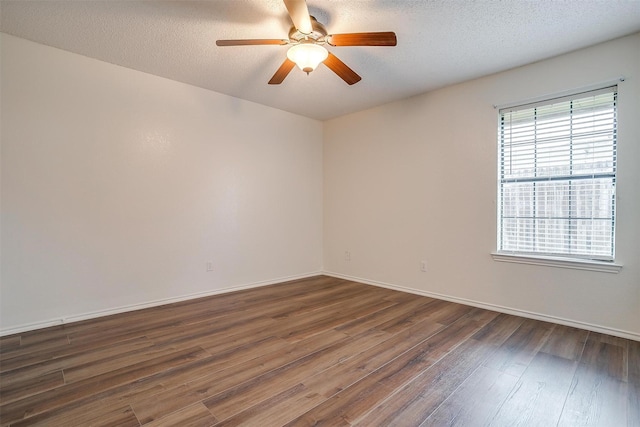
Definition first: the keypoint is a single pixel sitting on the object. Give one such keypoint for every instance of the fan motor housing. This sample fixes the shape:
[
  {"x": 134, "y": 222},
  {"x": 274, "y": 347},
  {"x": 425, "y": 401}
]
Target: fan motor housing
[{"x": 318, "y": 33}]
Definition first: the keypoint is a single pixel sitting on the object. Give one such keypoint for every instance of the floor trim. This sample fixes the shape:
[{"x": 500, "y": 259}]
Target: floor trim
[
  {"x": 493, "y": 307},
  {"x": 133, "y": 307}
]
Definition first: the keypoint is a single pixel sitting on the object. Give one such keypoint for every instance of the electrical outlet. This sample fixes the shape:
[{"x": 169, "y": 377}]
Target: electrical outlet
[
  {"x": 347, "y": 256},
  {"x": 209, "y": 266},
  {"x": 423, "y": 266}
]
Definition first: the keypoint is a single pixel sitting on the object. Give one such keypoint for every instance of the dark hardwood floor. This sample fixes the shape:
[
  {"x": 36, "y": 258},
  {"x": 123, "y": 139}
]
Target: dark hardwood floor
[{"x": 318, "y": 351}]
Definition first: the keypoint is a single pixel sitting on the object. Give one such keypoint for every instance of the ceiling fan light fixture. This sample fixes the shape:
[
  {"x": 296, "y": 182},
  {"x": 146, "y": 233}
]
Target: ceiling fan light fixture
[{"x": 307, "y": 56}]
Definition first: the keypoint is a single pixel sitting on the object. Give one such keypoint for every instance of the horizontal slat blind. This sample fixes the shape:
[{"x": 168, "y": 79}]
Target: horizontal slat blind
[{"x": 557, "y": 176}]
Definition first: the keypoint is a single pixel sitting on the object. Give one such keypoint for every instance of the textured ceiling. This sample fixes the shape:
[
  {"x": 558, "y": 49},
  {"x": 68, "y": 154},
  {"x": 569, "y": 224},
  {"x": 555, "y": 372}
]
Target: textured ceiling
[{"x": 440, "y": 42}]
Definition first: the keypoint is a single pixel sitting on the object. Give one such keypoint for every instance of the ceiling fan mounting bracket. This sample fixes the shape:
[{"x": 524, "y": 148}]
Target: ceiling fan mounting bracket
[{"x": 317, "y": 35}]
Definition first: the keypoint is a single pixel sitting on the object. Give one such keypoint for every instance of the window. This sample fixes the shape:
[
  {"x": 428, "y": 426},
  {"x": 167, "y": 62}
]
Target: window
[{"x": 557, "y": 177}]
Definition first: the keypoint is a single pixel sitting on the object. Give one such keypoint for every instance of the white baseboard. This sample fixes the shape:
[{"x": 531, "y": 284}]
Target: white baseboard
[
  {"x": 493, "y": 307},
  {"x": 132, "y": 307}
]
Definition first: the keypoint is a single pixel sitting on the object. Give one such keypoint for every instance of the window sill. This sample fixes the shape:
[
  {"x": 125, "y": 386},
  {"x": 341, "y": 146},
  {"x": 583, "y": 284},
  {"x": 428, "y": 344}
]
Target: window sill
[{"x": 576, "y": 264}]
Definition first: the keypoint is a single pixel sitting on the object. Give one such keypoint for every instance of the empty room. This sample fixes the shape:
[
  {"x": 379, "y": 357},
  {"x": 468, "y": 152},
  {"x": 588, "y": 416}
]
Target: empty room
[{"x": 320, "y": 212}]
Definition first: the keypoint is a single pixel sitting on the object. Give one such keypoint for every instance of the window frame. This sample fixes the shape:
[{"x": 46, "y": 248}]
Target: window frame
[{"x": 568, "y": 260}]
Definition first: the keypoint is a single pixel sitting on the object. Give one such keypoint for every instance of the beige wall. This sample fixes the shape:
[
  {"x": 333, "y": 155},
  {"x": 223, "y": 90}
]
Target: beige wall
[
  {"x": 416, "y": 180},
  {"x": 118, "y": 187}
]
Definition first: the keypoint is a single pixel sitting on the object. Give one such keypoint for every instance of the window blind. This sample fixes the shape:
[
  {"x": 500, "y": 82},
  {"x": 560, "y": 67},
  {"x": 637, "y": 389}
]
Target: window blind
[{"x": 557, "y": 176}]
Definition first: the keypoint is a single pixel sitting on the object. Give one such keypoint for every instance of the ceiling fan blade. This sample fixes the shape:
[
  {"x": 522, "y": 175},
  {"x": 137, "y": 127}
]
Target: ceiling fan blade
[
  {"x": 282, "y": 72},
  {"x": 341, "y": 69},
  {"x": 248, "y": 42},
  {"x": 387, "y": 38},
  {"x": 299, "y": 15}
]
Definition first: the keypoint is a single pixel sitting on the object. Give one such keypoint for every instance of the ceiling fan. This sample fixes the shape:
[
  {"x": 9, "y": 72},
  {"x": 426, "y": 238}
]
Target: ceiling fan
[{"x": 307, "y": 38}]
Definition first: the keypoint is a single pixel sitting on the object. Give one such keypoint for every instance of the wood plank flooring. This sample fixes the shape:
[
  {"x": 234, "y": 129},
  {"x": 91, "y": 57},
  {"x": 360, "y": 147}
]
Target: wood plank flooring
[{"x": 318, "y": 351}]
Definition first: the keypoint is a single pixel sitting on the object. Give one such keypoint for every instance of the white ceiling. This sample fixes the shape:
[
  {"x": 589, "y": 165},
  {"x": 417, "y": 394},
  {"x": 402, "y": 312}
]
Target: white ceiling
[{"x": 440, "y": 42}]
